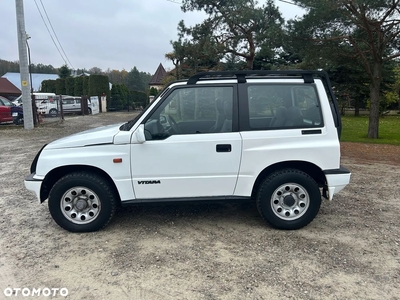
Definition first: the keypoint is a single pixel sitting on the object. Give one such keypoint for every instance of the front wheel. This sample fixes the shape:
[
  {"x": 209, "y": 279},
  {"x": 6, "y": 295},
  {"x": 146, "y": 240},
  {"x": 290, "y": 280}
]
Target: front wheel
[
  {"x": 82, "y": 202},
  {"x": 18, "y": 120},
  {"x": 288, "y": 199}
]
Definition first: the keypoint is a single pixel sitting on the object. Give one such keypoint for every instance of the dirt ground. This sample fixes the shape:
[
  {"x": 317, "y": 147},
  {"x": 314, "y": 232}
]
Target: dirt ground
[{"x": 203, "y": 251}]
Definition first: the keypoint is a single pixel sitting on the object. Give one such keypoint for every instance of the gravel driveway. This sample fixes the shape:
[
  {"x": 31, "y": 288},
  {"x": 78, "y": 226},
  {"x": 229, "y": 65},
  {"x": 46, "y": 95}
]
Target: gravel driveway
[{"x": 201, "y": 251}]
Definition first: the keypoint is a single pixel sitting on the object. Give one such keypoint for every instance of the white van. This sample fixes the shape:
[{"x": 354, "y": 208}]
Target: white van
[
  {"x": 70, "y": 104},
  {"x": 39, "y": 98}
]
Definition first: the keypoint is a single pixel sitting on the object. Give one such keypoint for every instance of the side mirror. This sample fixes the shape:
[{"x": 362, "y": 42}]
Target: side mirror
[{"x": 139, "y": 137}]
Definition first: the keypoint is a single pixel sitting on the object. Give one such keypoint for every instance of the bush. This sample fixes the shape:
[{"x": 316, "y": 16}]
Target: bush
[
  {"x": 70, "y": 86},
  {"x": 99, "y": 85},
  {"x": 48, "y": 86},
  {"x": 78, "y": 86},
  {"x": 60, "y": 86}
]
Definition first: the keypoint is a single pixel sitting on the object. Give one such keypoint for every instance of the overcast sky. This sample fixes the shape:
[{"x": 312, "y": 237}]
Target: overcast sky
[{"x": 115, "y": 34}]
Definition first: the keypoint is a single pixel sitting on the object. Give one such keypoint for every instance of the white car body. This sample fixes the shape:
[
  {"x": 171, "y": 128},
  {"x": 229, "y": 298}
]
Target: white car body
[
  {"x": 39, "y": 98},
  {"x": 70, "y": 105},
  {"x": 199, "y": 166}
]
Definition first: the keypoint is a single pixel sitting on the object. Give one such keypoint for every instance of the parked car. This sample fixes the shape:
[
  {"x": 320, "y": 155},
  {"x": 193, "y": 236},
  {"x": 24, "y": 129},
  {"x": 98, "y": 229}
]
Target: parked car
[
  {"x": 39, "y": 98},
  {"x": 267, "y": 136},
  {"x": 9, "y": 112},
  {"x": 70, "y": 105},
  {"x": 73, "y": 105}
]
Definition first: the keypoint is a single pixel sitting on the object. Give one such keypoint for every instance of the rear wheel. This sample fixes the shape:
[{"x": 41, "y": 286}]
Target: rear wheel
[
  {"x": 82, "y": 202},
  {"x": 53, "y": 112},
  {"x": 288, "y": 199},
  {"x": 89, "y": 111}
]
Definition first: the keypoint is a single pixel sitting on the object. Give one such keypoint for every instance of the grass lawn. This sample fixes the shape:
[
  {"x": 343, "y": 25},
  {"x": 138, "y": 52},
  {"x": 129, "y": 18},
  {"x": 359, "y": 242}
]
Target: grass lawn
[{"x": 355, "y": 129}]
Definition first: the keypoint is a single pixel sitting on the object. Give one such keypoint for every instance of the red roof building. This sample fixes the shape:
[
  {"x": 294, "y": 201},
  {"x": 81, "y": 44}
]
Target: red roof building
[{"x": 7, "y": 89}]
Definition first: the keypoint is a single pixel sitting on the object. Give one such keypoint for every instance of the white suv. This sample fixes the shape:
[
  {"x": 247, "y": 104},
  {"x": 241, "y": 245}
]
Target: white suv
[{"x": 267, "y": 136}]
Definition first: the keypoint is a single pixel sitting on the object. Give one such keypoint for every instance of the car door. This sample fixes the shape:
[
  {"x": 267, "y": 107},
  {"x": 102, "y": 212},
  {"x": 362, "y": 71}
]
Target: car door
[
  {"x": 5, "y": 111},
  {"x": 192, "y": 146},
  {"x": 76, "y": 108},
  {"x": 68, "y": 105}
]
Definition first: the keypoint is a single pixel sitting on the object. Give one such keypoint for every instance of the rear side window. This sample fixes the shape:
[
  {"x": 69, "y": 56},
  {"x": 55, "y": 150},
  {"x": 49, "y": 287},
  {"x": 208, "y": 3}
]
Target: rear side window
[
  {"x": 68, "y": 101},
  {"x": 281, "y": 106}
]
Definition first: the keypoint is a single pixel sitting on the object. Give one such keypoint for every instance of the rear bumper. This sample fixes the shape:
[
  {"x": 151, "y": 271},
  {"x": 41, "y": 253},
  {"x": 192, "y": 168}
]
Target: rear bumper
[
  {"x": 337, "y": 179},
  {"x": 34, "y": 184}
]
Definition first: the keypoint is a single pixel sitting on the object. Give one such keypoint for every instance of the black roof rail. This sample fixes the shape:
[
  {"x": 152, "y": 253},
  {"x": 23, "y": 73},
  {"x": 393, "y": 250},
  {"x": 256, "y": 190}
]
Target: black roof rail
[{"x": 241, "y": 76}]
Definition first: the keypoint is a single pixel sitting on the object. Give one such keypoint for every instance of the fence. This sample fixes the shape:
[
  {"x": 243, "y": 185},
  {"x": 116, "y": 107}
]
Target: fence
[{"x": 53, "y": 108}]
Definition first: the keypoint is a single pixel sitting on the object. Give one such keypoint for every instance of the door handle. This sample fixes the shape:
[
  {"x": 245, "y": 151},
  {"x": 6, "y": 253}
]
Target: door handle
[
  {"x": 316, "y": 131},
  {"x": 224, "y": 148}
]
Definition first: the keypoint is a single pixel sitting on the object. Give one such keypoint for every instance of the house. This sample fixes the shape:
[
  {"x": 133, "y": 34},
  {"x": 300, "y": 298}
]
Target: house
[
  {"x": 157, "y": 79},
  {"x": 8, "y": 90},
  {"x": 15, "y": 79}
]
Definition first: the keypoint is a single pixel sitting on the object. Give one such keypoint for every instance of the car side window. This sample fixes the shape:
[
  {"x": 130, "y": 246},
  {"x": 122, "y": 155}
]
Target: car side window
[
  {"x": 68, "y": 101},
  {"x": 7, "y": 102},
  {"x": 277, "y": 106},
  {"x": 192, "y": 110}
]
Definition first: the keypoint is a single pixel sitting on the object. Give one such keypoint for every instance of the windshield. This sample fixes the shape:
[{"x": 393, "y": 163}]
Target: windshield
[{"x": 128, "y": 125}]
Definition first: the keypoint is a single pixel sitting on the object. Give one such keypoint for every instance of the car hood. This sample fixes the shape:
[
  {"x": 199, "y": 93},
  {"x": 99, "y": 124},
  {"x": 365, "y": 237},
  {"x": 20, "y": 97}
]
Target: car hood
[{"x": 100, "y": 135}]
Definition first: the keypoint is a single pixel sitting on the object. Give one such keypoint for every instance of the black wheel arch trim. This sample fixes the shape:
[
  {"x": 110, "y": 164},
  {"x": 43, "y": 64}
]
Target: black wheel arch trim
[
  {"x": 341, "y": 170},
  {"x": 54, "y": 175}
]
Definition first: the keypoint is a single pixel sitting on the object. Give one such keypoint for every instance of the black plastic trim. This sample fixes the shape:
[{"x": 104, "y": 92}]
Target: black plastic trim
[
  {"x": 30, "y": 177},
  {"x": 241, "y": 75},
  {"x": 341, "y": 170},
  {"x": 185, "y": 199},
  {"x": 35, "y": 160},
  {"x": 315, "y": 131}
]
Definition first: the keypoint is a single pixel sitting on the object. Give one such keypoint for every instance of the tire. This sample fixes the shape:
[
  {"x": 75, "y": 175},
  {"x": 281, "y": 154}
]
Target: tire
[
  {"x": 18, "y": 121},
  {"x": 288, "y": 199},
  {"x": 89, "y": 111},
  {"x": 82, "y": 202},
  {"x": 53, "y": 112}
]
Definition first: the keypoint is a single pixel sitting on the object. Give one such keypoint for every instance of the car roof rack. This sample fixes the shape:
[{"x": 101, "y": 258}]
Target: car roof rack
[{"x": 241, "y": 76}]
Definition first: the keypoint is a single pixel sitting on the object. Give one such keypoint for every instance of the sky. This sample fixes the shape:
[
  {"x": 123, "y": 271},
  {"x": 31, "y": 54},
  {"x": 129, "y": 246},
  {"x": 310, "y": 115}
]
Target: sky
[{"x": 115, "y": 34}]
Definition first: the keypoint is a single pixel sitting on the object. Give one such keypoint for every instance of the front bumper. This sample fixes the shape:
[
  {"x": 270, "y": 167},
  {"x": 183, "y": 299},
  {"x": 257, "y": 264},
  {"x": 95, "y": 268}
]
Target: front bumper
[
  {"x": 337, "y": 180},
  {"x": 34, "y": 183}
]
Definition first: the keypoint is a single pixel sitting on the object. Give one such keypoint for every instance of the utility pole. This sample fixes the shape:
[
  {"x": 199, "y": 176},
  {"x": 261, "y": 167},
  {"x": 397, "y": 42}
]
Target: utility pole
[{"x": 23, "y": 66}]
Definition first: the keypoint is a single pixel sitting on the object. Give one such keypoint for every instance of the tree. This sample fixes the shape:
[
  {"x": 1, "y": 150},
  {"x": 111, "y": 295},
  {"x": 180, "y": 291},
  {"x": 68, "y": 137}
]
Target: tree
[
  {"x": 117, "y": 77},
  {"x": 48, "y": 86},
  {"x": 139, "y": 98},
  {"x": 370, "y": 28},
  {"x": 138, "y": 81},
  {"x": 178, "y": 54},
  {"x": 99, "y": 85},
  {"x": 9, "y": 66},
  {"x": 115, "y": 102},
  {"x": 64, "y": 71},
  {"x": 60, "y": 86},
  {"x": 95, "y": 71},
  {"x": 153, "y": 91},
  {"x": 70, "y": 86},
  {"x": 85, "y": 85},
  {"x": 43, "y": 69},
  {"x": 78, "y": 86},
  {"x": 237, "y": 26}
]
